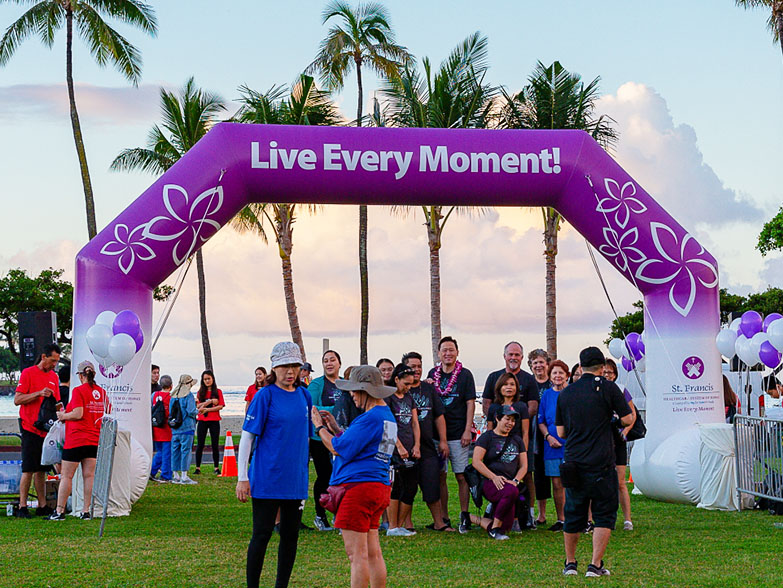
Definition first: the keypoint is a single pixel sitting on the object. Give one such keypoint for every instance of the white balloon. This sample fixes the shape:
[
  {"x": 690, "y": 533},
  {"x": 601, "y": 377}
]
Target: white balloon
[
  {"x": 98, "y": 338},
  {"x": 122, "y": 348},
  {"x": 756, "y": 341},
  {"x": 106, "y": 318},
  {"x": 735, "y": 324},
  {"x": 744, "y": 351},
  {"x": 775, "y": 332},
  {"x": 725, "y": 342},
  {"x": 641, "y": 365},
  {"x": 616, "y": 347}
]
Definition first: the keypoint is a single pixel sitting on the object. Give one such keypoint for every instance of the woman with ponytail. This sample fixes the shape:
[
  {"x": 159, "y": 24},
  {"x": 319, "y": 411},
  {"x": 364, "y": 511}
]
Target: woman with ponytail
[{"x": 82, "y": 417}]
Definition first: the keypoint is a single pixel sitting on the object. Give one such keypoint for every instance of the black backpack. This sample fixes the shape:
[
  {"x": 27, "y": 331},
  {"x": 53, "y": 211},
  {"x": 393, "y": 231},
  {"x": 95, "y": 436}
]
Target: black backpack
[
  {"x": 159, "y": 414},
  {"x": 47, "y": 414},
  {"x": 175, "y": 415}
]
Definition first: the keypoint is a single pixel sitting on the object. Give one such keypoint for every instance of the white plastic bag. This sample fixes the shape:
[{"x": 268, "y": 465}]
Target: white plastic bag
[{"x": 53, "y": 445}]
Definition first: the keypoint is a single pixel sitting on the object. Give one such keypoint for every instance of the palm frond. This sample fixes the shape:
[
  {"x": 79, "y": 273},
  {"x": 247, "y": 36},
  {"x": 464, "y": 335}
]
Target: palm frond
[
  {"x": 139, "y": 159},
  {"x": 106, "y": 44},
  {"x": 132, "y": 12},
  {"x": 42, "y": 19}
]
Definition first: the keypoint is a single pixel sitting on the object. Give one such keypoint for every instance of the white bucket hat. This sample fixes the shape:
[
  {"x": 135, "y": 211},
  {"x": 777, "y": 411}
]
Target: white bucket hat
[{"x": 286, "y": 353}]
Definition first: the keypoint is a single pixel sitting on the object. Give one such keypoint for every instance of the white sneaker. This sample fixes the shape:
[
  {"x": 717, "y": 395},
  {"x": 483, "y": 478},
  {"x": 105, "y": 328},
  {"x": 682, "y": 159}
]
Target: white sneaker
[
  {"x": 627, "y": 526},
  {"x": 175, "y": 479},
  {"x": 400, "y": 532},
  {"x": 187, "y": 480}
]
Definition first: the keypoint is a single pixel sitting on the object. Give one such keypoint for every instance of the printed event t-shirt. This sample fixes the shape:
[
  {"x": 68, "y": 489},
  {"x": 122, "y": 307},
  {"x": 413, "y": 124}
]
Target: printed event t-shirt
[
  {"x": 402, "y": 409},
  {"x": 34, "y": 379},
  {"x": 215, "y": 414},
  {"x": 281, "y": 422},
  {"x": 163, "y": 433},
  {"x": 364, "y": 451},
  {"x": 429, "y": 407},
  {"x": 519, "y": 406},
  {"x": 455, "y": 403},
  {"x": 331, "y": 393},
  {"x": 526, "y": 381},
  {"x": 499, "y": 461},
  {"x": 86, "y": 430}
]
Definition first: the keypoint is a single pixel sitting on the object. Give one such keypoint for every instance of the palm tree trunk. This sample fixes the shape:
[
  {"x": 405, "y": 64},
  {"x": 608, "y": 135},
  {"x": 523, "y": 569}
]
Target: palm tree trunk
[
  {"x": 363, "y": 275},
  {"x": 550, "y": 253},
  {"x": 435, "y": 326},
  {"x": 77, "y": 130},
  {"x": 285, "y": 246},
  {"x": 202, "y": 306}
]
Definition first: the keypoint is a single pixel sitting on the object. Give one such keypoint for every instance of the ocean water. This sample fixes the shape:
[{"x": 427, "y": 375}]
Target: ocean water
[{"x": 233, "y": 395}]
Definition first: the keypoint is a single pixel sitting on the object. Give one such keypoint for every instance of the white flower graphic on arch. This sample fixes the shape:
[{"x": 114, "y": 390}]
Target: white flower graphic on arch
[
  {"x": 678, "y": 258},
  {"x": 621, "y": 248},
  {"x": 187, "y": 222},
  {"x": 621, "y": 201},
  {"x": 128, "y": 246}
]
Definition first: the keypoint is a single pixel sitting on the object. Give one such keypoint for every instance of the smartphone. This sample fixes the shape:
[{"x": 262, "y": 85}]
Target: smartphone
[{"x": 59, "y": 406}]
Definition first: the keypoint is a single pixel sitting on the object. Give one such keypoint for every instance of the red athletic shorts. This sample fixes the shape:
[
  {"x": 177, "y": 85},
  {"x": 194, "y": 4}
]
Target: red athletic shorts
[{"x": 362, "y": 506}]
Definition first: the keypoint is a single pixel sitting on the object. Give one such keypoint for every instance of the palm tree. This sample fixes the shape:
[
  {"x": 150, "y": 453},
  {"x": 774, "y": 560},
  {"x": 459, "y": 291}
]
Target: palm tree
[
  {"x": 363, "y": 38},
  {"x": 555, "y": 99},
  {"x": 455, "y": 97},
  {"x": 775, "y": 20},
  {"x": 306, "y": 105},
  {"x": 186, "y": 119},
  {"x": 44, "y": 18}
]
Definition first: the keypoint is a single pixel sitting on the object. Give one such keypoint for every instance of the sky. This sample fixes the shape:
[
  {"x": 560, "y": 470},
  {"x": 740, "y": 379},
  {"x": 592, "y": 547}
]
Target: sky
[{"x": 695, "y": 89}]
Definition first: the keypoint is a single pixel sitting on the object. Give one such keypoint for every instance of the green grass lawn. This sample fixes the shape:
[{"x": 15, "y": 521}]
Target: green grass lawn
[{"x": 197, "y": 536}]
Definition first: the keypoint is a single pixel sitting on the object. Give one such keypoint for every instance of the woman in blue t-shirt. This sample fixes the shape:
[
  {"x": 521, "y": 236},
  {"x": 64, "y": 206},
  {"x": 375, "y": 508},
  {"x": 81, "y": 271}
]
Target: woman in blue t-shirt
[
  {"x": 553, "y": 445},
  {"x": 361, "y": 465},
  {"x": 278, "y": 420}
]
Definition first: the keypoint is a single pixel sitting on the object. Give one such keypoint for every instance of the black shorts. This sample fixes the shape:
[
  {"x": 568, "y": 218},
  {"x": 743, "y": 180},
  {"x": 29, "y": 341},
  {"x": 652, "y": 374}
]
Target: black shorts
[
  {"x": 621, "y": 453},
  {"x": 32, "y": 447},
  {"x": 599, "y": 488},
  {"x": 77, "y": 454},
  {"x": 429, "y": 478}
]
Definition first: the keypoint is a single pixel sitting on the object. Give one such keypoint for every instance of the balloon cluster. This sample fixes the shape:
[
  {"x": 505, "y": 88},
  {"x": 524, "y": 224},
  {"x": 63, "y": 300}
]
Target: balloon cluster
[
  {"x": 115, "y": 338},
  {"x": 630, "y": 352},
  {"x": 753, "y": 339}
]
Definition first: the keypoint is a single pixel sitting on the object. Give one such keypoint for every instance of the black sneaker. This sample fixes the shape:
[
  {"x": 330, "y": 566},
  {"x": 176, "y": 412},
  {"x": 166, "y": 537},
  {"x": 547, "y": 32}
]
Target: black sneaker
[
  {"x": 57, "y": 516},
  {"x": 570, "y": 568},
  {"x": 558, "y": 526},
  {"x": 43, "y": 511},
  {"x": 597, "y": 571},
  {"x": 530, "y": 523},
  {"x": 23, "y": 513},
  {"x": 464, "y": 522},
  {"x": 85, "y": 516},
  {"x": 589, "y": 528},
  {"x": 497, "y": 534}
]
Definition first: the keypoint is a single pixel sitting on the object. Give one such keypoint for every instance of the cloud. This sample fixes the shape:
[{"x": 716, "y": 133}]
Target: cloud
[
  {"x": 665, "y": 158},
  {"x": 96, "y": 104},
  {"x": 772, "y": 274}
]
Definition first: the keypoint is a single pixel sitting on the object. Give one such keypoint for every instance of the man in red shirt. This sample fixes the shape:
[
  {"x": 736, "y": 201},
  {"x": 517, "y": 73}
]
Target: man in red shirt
[
  {"x": 36, "y": 383},
  {"x": 161, "y": 436}
]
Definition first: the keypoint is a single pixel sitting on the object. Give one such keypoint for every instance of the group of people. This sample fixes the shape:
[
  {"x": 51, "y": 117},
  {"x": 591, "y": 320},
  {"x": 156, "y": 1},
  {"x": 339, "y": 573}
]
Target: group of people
[
  {"x": 178, "y": 417},
  {"x": 379, "y": 434}
]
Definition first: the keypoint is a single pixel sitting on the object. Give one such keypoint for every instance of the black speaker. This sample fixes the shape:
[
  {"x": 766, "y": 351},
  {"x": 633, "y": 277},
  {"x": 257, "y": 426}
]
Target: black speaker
[{"x": 36, "y": 330}]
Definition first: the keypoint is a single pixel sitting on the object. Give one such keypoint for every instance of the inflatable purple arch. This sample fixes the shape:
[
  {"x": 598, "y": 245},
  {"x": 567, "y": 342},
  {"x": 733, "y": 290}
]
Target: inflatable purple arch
[{"x": 236, "y": 164}]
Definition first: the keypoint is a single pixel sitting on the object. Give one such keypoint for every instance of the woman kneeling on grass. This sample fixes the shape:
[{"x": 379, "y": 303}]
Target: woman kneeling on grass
[
  {"x": 83, "y": 418},
  {"x": 500, "y": 456},
  {"x": 362, "y": 457},
  {"x": 278, "y": 418}
]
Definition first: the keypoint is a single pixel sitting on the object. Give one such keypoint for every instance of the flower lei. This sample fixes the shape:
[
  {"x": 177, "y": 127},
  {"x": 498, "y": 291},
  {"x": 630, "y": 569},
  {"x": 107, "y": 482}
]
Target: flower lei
[{"x": 452, "y": 380}]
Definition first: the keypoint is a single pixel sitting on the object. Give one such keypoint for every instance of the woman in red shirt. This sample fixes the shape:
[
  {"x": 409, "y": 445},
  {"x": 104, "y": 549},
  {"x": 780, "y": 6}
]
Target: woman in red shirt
[
  {"x": 259, "y": 383},
  {"x": 82, "y": 418},
  {"x": 209, "y": 404}
]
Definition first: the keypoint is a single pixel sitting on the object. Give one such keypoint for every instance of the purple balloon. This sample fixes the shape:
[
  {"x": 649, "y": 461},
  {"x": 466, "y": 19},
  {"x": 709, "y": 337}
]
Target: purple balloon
[
  {"x": 139, "y": 338},
  {"x": 750, "y": 323},
  {"x": 127, "y": 322},
  {"x": 633, "y": 341},
  {"x": 769, "y": 356},
  {"x": 627, "y": 364},
  {"x": 773, "y": 316}
]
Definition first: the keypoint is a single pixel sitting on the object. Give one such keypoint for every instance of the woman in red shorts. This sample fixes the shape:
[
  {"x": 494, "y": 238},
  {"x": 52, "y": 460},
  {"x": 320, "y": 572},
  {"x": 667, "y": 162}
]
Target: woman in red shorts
[
  {"x": 82, "y": 418},
  {"x": 361, "y": 464}
]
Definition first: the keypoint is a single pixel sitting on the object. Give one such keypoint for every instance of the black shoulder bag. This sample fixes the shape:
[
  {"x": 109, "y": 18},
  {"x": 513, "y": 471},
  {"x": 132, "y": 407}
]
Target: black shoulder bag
[
  {"x": 47, "y": 414},
  {"x": 475, "y": 479}
]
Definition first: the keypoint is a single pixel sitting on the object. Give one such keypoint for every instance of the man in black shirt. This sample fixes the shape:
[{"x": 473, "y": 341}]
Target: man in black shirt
[
  {"x": 154, "y": 377},
  {"x": 584, "y": 414}
]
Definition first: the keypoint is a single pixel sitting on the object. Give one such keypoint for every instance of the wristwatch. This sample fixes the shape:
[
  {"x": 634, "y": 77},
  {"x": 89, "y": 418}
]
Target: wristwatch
[
  {"x": 318, "y": 429},
  {"x": 547, "y": 436},
  {"x": 516, "y": 482}
]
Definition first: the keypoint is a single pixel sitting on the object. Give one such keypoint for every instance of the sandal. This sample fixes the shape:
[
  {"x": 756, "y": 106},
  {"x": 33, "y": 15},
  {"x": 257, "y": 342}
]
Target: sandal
[
  {"x": 446, "y": 528},
  {"x": 197, "y": 471}
]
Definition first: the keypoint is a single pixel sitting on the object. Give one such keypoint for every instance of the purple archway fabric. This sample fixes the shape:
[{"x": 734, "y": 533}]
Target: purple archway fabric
[{"x": 238, "y": 164}]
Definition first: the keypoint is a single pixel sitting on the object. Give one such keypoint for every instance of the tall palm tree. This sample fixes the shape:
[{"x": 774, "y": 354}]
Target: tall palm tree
[
  {"x": 555, "y": 99},
  {"x": 363, "y": 37},
  {"x": 187, "y": 117},
  {"x": 454, "y": 97},
  {"x": 306, "y": 105},
  {"x": 46, "y": 17},
  {"x": 775, "y": 20}
]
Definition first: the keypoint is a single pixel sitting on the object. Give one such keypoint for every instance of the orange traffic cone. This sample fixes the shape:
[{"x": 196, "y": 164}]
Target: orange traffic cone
[
  {"x": 630, "y": 476},
  {"x": 229, "y": 469}
]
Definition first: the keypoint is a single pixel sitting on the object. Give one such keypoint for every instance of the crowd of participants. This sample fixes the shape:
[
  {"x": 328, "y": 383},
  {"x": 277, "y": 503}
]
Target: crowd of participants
[{"x": 379, "y": 435}]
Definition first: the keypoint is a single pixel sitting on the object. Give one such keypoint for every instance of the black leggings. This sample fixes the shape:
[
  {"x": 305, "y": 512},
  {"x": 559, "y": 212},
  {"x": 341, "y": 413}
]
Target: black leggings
[
  {"x": 406, "y": 482},
  {"x": 264, "y": 513},
  {"x": 322, "y": 460},
  {"x": 213, "y": 427}
]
